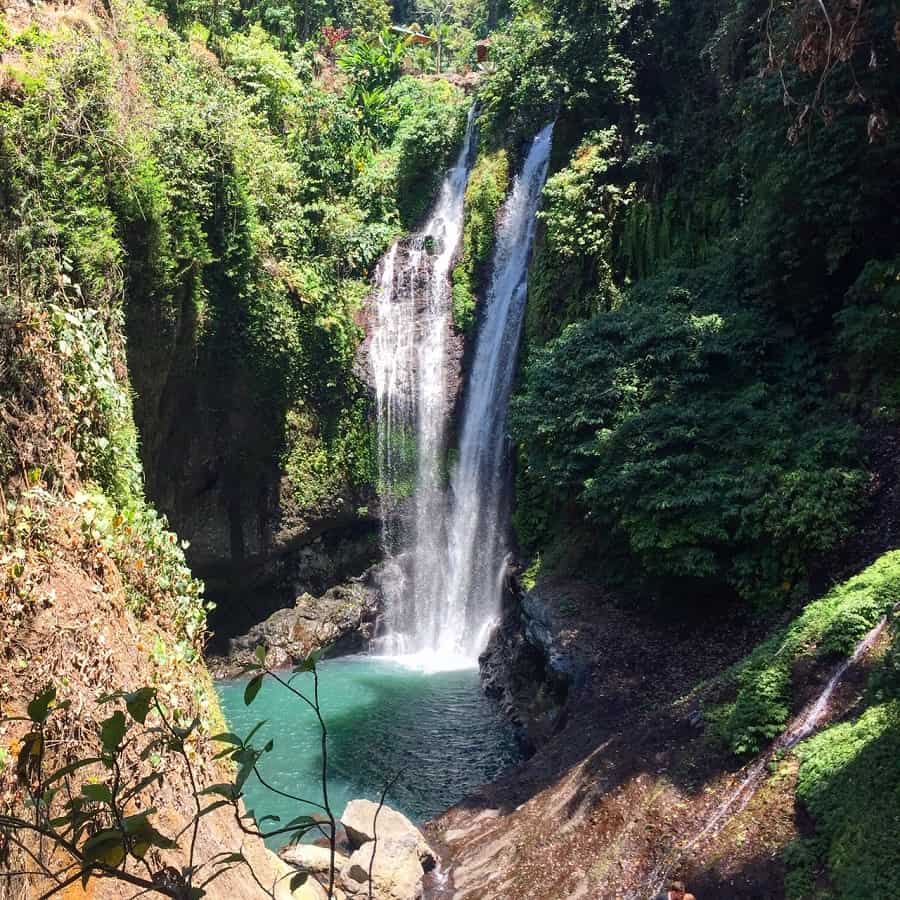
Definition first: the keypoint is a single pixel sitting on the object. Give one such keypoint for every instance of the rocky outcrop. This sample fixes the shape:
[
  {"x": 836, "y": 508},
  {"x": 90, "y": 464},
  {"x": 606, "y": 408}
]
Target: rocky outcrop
[
  {"x": 544, "y": 648},
  {"x": 312, "y": 858},
  {"x": 396, "y": 873},
  {"x": 359, "y": 821},
  {"x": 339, "y": 622},
  {"x": 619, "y": 774},
  {"x": 388, "y": 851}
]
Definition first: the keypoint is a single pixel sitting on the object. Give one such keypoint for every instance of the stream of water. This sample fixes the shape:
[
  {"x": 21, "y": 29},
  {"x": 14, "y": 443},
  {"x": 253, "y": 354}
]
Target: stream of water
[
  {"x": 447, "y": 560},
  {"x": 798, "y": 729}
]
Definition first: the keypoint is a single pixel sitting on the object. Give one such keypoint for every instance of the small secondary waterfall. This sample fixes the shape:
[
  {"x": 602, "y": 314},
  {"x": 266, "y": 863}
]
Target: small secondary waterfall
[
  {"x": 798, "y": 729},
  {"x": 446, "y": 552}
]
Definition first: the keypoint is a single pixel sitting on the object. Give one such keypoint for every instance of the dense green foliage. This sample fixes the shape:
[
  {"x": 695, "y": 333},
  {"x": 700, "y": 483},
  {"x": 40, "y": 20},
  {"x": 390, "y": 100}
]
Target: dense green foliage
[
  {"x": 485, "y": 193},
  {"x": 711, "y": 298},
  {"x": 849, "y": 781},
  {"x": 711, "y": 337},
  {"x": 290, "y": 22},
  {"x": 230, "y": 220},
  {"x": 690, "y": 456}
]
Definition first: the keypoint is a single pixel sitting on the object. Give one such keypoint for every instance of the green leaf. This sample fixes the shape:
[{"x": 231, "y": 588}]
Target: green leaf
[
  {"x": 112, "y": 731},
  {"x": 260, "y": 654},
  {"x": 97, "y": 793},
  {"x": 309, "y": 664},
  {"x": 138, "y": 703},
  {"x": 227, "y": 737},
  {"x": 134, "y": 824},
  {"x": 139, "y": 827},
  {"x": 106, "y": 846},
  {"x": 222, "y": 790},
  {"x": 252, "y": 689},
  {"x": 298, "y": 879},
  {"x": 72, "y": 767},
  {"x": 31, "y": 751},
  {"x": 39, "y": 708}
]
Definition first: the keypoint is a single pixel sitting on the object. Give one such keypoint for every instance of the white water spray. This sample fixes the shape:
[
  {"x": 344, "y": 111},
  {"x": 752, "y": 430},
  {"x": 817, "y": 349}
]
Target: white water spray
[
  {"x": 477, "y": 526},
  {"x": 446, "y": 555},
  {"x": 408, "y": 353}
]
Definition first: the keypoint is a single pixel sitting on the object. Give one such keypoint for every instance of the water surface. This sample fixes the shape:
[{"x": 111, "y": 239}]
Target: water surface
[{"x": 437, "y": 728}]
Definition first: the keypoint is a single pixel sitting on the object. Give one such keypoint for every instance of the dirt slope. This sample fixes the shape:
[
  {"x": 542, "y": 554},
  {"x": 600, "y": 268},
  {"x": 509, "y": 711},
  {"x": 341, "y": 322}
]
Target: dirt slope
[{"x": 626, "y": 778}]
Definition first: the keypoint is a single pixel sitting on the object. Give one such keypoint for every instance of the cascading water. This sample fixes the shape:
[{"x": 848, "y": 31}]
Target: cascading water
[
  {"x": 477, "y": 531},
  {"x": 408, "y": 356},
  {"x": 445, "y": 556},
  {"x": 798, "y": 729}
]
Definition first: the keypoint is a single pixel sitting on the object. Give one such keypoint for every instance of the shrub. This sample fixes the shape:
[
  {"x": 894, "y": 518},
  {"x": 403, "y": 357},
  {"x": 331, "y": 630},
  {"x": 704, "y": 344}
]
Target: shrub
[
  {"x": 485, "y": 194},
  {"x": 849, "y": 781},
  {"x": 869, "y": 335},
  {"x": 428, "y": 119},
  {"x": 686, "y": 457}
]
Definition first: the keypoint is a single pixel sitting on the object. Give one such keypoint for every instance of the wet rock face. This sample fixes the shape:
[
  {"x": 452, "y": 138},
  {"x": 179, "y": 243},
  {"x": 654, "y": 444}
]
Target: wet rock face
[
  {"x": 331, "y": 558},
  {"x": 417, "y": 286},
  {"x": 342, "y": 620},
  {"x": 538, "y": 656}
]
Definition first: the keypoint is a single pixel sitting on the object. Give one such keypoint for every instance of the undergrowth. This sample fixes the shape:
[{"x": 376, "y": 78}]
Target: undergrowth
[
  {"x": 485, "y": 194},
  {"x": 826, "y": 630}
]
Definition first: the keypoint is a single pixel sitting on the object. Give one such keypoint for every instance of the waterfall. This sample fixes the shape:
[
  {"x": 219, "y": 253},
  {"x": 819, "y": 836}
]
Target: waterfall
[
  {"x": 407, "y": 353},
  {"x": 477, "y": 526},
  {"x": 445, "y": 550}
]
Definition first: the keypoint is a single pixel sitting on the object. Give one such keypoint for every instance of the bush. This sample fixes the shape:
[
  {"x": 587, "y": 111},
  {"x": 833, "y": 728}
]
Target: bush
[
  {"x": 688, "y": 458},
  {"x": 849, "y": 781},
  {"x": 428, "y": 119},
  {"x": 485, "y": 194},
  {"x": 869, "y": 335}
]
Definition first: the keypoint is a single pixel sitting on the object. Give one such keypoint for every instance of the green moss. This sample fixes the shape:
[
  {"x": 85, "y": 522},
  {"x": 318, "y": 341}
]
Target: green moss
[
  {"x": 827, "y": 628},
  {"x": 485, "y": 194},
  {"x": 849, "y": 781},
  {"x": 532, "y": 573}
]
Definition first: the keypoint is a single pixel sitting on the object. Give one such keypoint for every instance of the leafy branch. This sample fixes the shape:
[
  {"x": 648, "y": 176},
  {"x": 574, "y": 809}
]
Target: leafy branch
[{"x": 84, "y": 811}]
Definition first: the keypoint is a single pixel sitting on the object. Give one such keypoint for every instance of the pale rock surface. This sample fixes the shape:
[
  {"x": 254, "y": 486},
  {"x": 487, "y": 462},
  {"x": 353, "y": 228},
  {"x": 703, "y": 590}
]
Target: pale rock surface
[
  {"x": 396, "y": 870},
  {"x": 312, "y": 858},
  {"x": 360, "y": 824}
]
